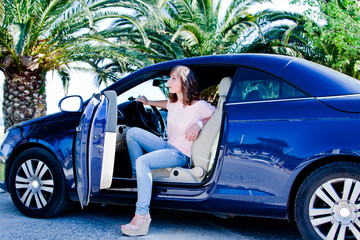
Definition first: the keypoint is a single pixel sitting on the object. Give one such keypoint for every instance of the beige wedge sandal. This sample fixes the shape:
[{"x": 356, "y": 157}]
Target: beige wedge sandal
[{"x": 131, "y": 230}]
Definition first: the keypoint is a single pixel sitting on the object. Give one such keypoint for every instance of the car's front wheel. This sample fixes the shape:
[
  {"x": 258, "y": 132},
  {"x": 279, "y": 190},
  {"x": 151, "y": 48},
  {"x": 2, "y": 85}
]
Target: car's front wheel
[
  {"x": 37, "y": 184},
  {"x": 327, "y": 204}
]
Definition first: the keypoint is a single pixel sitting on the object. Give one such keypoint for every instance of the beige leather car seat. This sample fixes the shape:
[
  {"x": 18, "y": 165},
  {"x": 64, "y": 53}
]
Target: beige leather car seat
[{"x": 203, "y": 148}]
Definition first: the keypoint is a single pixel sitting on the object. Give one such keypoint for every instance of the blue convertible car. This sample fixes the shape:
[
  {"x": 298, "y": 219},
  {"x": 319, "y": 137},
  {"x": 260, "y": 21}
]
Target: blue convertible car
[{"x": 282, "y": 143}]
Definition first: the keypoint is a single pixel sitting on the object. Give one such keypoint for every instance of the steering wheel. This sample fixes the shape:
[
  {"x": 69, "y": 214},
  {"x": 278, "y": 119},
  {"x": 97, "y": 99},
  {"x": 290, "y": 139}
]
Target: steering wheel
[{"x": 151, "y": 119}]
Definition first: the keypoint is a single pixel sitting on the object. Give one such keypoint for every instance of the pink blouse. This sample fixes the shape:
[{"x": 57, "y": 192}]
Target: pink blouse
[{"x": 180, "y": 118}]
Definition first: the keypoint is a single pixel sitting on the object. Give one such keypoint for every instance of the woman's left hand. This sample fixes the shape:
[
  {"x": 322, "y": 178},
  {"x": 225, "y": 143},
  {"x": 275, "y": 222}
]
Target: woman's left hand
[{"x": 193, "y": 132}]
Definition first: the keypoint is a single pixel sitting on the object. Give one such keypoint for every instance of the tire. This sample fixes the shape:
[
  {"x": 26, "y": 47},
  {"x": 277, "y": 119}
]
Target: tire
[
  {"x": 327, "y": 203},
  {"x": 37, "y": 184}
]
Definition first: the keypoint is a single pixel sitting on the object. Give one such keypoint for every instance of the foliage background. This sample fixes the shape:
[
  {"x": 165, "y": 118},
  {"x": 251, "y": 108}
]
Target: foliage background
[
  {"x": 334, "y": 44},
  {"x": 86, "y": 87}
]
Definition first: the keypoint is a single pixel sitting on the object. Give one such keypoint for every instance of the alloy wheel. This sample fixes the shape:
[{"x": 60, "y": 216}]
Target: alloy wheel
[
  {"x": 34, "y": 184},
  {"x": 334, "y": 209}
]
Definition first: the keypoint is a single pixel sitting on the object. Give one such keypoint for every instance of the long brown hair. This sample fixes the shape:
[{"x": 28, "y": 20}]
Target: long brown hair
[{"x": 188, "y": 85}]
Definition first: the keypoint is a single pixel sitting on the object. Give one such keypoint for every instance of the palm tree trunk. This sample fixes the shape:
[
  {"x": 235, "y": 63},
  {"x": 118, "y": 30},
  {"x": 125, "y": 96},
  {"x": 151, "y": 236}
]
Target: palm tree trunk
[{"x": 24, "y": 97}]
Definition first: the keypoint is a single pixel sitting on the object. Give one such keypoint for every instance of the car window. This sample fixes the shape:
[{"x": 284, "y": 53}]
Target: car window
[
  {"x": 255, "y": 85},
  {"x": 154, "y": 89}
]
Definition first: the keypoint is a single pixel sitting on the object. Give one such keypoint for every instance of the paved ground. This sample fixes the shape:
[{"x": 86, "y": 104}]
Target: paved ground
[{"x": 104, "y": 222}]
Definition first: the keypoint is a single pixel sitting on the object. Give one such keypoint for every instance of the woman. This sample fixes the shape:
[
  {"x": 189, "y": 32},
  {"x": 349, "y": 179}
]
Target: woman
[{"x": 186, "y": 116}]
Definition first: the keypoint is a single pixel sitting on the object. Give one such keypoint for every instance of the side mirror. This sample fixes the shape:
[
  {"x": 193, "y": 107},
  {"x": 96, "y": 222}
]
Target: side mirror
[{"x": 71, "y": 104}]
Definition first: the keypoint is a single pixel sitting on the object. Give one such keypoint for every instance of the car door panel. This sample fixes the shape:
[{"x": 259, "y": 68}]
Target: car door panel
[
  {"x": 95, "y": 146},
  {"x": 268, "y": 143},
  {"x": 274, "y": 138},
  {"x": 103, "y": 143},
  {"x": 81, "y": 150}
]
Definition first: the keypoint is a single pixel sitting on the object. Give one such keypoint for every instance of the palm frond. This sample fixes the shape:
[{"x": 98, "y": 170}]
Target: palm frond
[
  {"x": 191, "y": 34},
  {"x": 20, "y": 35},
  {"x": 2, "y": 11},
  {"x": 64, "y": 75}
]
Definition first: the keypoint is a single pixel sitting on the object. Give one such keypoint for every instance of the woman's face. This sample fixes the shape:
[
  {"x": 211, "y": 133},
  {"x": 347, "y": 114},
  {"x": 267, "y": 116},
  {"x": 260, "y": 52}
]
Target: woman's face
[{"x": 174, "y": 83}]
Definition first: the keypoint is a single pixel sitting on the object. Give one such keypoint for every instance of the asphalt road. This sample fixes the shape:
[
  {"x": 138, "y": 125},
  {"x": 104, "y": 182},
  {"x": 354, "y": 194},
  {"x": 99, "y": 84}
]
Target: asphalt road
[{"x": 104, "y": 222}]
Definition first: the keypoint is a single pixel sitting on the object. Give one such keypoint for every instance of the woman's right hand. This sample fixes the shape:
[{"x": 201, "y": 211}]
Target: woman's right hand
[{"x": 143, "y": 99}]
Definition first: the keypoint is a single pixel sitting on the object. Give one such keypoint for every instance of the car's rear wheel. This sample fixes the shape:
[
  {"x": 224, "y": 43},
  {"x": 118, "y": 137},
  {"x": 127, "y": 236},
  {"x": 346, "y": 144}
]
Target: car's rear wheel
[
  {"x": 37, "y": 184},
  {"x": 327, "y": 204}
]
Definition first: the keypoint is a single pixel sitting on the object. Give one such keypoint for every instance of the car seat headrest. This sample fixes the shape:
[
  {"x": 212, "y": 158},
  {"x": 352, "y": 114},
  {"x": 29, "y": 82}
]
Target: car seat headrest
[{"x": 224, "y": 86}]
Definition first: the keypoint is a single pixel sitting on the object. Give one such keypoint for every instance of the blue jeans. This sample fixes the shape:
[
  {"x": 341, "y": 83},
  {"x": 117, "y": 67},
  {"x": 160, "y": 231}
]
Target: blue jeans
[{"x": 159, "y": 154}]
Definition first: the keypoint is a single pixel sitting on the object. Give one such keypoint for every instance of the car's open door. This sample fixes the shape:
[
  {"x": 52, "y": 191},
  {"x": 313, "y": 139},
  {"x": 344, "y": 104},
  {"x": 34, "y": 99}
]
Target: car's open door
[{"x": 95, "y": 146}]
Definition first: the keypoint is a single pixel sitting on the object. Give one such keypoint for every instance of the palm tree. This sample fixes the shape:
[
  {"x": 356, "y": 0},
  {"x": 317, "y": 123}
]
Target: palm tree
[
  {"x": 203, "y": 27},
  {"x": 326, "y": 34},
  {"x": 190, "y": 28},
  {"x": 281, "y": 33},
  {"x": 145, "y": 33},
  {"x": 48, "y": 35}
]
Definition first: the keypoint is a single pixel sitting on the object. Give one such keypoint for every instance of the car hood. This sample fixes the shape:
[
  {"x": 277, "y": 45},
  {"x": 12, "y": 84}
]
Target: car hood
[
  {"x": 345, "y": 103},
  {"x": 55, "y": 117}
]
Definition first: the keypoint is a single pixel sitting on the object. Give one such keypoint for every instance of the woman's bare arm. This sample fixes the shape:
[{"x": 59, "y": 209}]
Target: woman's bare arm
[
  {"x": 194, "y": 130},
  {"x": 160, "y": 104}
]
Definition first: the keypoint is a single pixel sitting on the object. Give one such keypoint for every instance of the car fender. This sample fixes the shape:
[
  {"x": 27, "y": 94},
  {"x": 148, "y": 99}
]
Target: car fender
[
  {"x": 304, "y": 169},
  {"x": 55, "y": 138}
]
